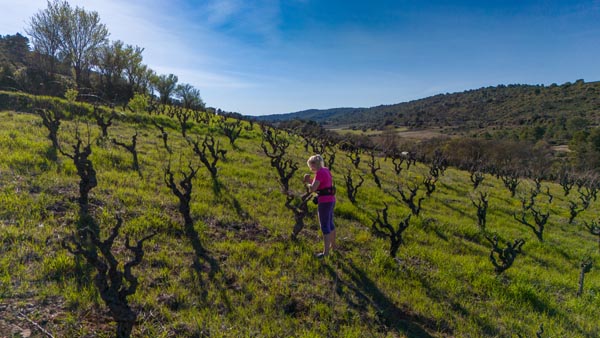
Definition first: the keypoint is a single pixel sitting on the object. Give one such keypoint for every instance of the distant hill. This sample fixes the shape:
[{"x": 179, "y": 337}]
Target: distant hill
[
  {"x": 484, "y": 110},
  {"x": 319, "y": 115}
]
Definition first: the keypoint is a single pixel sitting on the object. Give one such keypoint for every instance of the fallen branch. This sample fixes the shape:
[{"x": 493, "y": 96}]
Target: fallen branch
[{"x": 38, "y": 326}]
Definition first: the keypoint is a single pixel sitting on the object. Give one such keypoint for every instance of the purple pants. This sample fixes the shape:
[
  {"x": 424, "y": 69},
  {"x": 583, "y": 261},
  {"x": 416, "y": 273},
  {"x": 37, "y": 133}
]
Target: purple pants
[{"x": 325, "y": 211}]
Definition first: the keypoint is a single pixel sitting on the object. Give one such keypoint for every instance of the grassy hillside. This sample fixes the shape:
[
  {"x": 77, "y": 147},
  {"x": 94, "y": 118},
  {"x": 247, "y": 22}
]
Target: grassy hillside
[{"x": 254, "y": 280}]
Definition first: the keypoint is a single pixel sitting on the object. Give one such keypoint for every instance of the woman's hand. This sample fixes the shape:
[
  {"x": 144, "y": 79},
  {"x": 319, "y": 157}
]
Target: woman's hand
[{"x": 306, "y": 178}]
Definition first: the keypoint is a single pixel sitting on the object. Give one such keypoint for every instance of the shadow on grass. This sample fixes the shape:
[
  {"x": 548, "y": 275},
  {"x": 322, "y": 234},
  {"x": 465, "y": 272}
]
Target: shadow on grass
[
  {"x": 204, "y": 262},
  {"x": 431, "y": 224},
  {"x": 452, "y": 188},
  {"x": 201, "y": 254},
  {"x": 223, "y": 195},
  {"x": 52, "y": 154},
  {"x": 459, "y": 211},
  {"x": 83, "y": 269},
  {"x": 486, "y": 326},
  {"x": 365, "y": 290},
  {"x": 216, "y": 186}
]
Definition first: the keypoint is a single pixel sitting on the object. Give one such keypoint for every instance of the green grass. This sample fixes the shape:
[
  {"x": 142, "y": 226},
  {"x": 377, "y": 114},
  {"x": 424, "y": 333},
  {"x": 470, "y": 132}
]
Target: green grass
[{"x": 442, "y": 283}]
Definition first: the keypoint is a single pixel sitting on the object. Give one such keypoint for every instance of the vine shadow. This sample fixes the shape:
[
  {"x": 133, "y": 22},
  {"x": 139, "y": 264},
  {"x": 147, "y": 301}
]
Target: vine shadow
[{"x": 363, "y": 288}]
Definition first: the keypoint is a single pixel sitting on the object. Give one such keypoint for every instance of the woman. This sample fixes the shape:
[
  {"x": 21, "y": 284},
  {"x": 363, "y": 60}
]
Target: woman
[{"x": 323, "y": 185}]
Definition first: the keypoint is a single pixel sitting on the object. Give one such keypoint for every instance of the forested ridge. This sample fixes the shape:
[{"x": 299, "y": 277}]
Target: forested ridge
[
  {"x": 546, "y": 118},
  {"x": 529, "y": 112}
]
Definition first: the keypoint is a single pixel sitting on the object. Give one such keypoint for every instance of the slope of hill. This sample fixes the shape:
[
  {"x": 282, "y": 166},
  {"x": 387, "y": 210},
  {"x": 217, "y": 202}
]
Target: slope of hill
[
  {"x": 238, "y": 273},
  {"x": 481, "y": 110},
  {"x": 318, "y": 115}
]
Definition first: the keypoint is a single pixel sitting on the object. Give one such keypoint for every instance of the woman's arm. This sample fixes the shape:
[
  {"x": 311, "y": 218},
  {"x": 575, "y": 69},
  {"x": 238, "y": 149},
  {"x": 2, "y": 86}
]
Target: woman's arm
[{"x": 313, "y": 186}]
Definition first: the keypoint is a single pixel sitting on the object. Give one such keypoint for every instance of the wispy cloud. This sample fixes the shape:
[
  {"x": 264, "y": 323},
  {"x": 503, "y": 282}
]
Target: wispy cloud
[
  {"x": 221, "y": 12},
  {"x": 205, "y": 79},
  {"x": 248, "y": 22},
  {"x": 170, "y": 45}
]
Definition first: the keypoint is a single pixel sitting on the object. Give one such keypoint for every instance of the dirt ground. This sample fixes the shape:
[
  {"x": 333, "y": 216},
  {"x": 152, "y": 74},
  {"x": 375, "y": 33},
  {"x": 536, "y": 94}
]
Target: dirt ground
[
  {"x": 15, "y": 320},
  {"x": 26, "y": 317}
]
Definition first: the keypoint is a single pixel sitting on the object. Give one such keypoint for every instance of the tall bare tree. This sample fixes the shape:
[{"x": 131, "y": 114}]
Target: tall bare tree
[
  {"x": 44, "y": 30},
  {"x": 83, "y": 35},
  {"x": 73, "y": 34}
]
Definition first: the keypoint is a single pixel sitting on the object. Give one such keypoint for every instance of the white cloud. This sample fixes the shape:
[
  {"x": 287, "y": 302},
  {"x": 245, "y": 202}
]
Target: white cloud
[
  {"x": 173, "y": 43},
  {"x": 203, "y": 79}
]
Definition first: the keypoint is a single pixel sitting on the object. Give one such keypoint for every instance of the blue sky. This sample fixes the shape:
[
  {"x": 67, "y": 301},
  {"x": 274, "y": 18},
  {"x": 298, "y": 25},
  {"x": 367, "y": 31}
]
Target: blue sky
[{"x": 269, "y": 56}]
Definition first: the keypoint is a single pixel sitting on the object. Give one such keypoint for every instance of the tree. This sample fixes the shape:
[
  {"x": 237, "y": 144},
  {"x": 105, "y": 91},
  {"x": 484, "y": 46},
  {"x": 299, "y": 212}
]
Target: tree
[
  {"x": 121, "y": 70},
  {"x": 73, "y": 34},
  {"x": 142, "y": 79},
  {"x": 189, "y": 96},
  {"x": 137, "y": 74},
  {"x": 165, "y": 86},
  {"x": 15, "y": 48},
  {"x": 45, "y": 32},
  {"x": 577, "y": 123},
  {"x": 111, "y": 62},
  {"x": 83, "y": 35}
]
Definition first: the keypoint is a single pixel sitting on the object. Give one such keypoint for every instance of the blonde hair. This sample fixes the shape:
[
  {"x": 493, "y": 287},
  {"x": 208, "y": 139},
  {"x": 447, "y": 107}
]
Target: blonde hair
[{"x": 316, "y": 159}]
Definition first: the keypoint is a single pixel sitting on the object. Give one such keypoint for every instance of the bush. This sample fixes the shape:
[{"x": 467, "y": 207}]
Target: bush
[{"x": 139, "y": 103}]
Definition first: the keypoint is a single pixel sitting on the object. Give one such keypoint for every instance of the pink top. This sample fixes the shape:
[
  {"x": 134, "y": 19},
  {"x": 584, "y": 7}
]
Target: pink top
[{"x": 325, "y": 181}]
